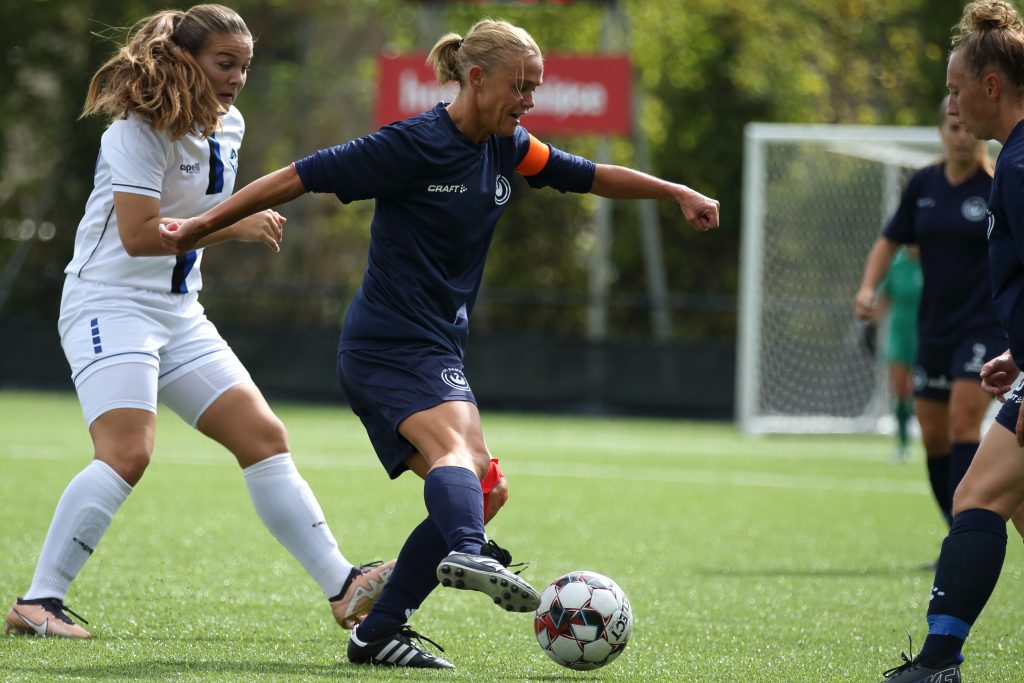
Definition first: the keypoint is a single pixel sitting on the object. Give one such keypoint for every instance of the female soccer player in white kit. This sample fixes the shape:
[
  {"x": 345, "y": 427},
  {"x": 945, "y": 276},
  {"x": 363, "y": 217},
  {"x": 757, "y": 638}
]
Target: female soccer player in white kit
[{"x": 132, "y": 327}]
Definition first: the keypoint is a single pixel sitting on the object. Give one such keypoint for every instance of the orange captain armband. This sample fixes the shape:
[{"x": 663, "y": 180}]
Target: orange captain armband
[{"x": 536, "y": 158}]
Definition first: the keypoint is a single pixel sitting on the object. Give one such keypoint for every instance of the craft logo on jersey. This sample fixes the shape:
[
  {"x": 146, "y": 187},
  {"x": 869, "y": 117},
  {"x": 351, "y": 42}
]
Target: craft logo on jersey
[
  {"x": 454, "y": 378},
  {"x": 191, "y": 169},
  {"x": 974, "y": 209},
  {"x": 502, "y": 190},
  {"x": 447, "y": 189}
]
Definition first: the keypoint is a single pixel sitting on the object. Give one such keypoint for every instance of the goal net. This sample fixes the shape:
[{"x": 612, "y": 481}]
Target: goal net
[{"x": 814, "y": 199}]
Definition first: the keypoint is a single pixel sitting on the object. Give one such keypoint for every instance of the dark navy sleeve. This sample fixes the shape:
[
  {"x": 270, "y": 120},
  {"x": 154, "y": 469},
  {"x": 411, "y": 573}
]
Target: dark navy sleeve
[
  {"x": 376, "y": 165},
  {"x": 1012, "y": 182},
  {"x": 900, "y": 227},
  {"x": 1011, "y": 311},
  {"x": 544, "y": 165}
]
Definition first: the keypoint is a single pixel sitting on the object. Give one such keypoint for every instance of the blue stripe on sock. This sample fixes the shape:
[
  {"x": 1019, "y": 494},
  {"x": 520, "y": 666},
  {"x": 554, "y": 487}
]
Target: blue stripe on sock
[{"x": 945, "y": 625}]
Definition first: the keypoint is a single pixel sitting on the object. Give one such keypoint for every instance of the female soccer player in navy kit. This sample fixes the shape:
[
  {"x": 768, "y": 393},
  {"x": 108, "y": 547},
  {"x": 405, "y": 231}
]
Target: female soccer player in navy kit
[
  {"x": 943, "y": 211},
  {"x": 133, "y": 329},
  {"x": 441, "y": 180},
  {"x": 986, "y": 86}
]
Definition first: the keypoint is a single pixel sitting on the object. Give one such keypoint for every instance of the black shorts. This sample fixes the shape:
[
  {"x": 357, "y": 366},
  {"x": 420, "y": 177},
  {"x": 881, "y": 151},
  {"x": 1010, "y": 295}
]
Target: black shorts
[
  {"x": 385, "y": 386},
  {"x": 1007, "y": 415},
  {"x": 939, "y": 365}
]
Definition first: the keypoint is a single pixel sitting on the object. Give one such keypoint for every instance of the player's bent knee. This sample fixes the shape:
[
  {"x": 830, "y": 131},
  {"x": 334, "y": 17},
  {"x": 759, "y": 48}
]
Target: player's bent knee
[
  {"x": 258, "y": 442},
  {"x": 275, "y": 436},
  {"x": 129, "y": 464}
]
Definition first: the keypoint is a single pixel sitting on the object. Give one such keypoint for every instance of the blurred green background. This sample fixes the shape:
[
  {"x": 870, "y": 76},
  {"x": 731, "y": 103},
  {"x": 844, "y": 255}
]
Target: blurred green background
[{"x": 702, "y": 70}]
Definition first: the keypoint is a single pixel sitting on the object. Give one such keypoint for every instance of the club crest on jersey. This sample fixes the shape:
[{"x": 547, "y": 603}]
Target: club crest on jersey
[
  {"x": 974, "y": 209},
  {"x": 502, "y": 190},
  {"x": 454, "y": 378}
]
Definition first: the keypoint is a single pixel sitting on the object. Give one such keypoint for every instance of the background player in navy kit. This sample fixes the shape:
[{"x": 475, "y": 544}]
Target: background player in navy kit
[
  {"x": 943, "y": 212},
  {"x": 131, "y": 324},
  {"x": 441, "y": 181},
  {"x": 986, "y": 86}
]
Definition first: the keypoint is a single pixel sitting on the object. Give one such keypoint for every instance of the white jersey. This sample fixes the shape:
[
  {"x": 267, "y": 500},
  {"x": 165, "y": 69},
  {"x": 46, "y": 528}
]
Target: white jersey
[{"x": 188, "y": 176}]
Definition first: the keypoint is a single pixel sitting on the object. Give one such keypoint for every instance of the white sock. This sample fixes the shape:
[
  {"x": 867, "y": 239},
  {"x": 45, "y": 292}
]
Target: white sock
[
  {"x": 288, "y": 508},
  {"x": 82, "y": 516}
]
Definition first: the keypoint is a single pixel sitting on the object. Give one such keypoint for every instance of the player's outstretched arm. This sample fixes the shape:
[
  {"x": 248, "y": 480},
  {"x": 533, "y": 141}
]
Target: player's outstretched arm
[
  {"x": 876, "y": 266},
  {"x": 264, "y": 193},
  {"x": 619, "y": 182}
]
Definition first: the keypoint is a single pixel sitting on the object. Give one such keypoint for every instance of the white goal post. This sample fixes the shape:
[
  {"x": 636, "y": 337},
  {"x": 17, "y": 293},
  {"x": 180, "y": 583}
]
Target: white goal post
[{"x": 814, "y": 199}]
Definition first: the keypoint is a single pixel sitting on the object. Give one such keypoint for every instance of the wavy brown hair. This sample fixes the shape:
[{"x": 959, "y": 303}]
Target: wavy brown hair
[
  {"x": 491, "y": 43},
  {"x": 155, "y": 74},
  {"x": 991, "y": 35}
]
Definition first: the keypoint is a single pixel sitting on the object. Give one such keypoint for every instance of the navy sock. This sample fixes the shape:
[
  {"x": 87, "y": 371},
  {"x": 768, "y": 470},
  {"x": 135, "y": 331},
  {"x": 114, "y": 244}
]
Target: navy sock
[
  {"x": 960, "y": 457},
  {"x": 411, "y": 582},
  {"x": 938, "y": 476},
  {"x": 969, "y": 565},
  {"x": 904, "y": 411},
  {"x": 453, "y": 496}
]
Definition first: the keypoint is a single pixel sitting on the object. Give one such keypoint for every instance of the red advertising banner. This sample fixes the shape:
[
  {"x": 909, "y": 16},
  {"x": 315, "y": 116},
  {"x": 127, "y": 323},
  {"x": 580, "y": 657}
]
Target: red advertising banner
[{"x": 580, "y": 95}]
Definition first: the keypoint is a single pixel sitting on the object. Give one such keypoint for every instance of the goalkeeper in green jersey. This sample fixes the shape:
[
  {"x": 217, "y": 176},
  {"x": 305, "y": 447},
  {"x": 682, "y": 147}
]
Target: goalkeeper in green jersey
[{"x": 901, "y": 294}]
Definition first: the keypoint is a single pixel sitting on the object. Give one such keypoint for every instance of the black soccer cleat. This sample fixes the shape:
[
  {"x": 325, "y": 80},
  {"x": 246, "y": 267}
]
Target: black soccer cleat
[
  {"x": 396, "y": 649},
  {"x": 488, "y": 573},
  {"x": 913, "y": 671}
]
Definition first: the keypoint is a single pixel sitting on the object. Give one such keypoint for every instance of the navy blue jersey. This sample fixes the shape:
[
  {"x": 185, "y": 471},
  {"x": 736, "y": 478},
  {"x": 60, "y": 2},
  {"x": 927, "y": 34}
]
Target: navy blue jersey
[
  {"x": 438, "y": 198},
  {"x": 1006, "y": 241},
  {"x": 948, "y": 224}
]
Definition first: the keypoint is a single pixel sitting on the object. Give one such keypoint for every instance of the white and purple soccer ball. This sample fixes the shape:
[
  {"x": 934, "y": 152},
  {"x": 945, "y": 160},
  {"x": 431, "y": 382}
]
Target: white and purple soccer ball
[{"x": 584, "y": 620}]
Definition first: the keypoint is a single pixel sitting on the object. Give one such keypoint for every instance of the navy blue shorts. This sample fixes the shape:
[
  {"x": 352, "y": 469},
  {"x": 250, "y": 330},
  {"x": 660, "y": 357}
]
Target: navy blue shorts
[
  {"x": 939, "y": 365},
  {"x": 385, "y": 386},
  {"x": 1007, "y": 415}
]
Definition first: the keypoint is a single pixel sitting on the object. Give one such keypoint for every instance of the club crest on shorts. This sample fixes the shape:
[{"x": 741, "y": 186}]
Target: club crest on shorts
[{"x": 455, "y": 378}]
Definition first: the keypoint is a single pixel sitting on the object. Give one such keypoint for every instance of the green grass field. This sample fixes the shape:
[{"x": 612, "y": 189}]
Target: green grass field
[{"x": 776, "y": 559}]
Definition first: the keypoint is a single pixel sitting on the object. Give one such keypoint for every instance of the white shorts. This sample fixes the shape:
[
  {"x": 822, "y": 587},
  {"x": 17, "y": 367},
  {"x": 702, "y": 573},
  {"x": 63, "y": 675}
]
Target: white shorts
[{"x": 129, "y": 347}]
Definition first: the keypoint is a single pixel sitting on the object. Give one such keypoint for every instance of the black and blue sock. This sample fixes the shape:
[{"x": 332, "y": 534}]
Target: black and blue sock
[
  {"x": 411, "y": 582},
  {"x": 453, "y": 496},
  {"x": 456, "y": 523},
  {"x": 969, "y": 566}
]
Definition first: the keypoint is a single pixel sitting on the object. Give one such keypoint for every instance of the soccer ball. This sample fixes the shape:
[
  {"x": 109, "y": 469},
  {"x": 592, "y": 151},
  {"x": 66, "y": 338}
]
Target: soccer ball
[{"x": 583, "y": 621}]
